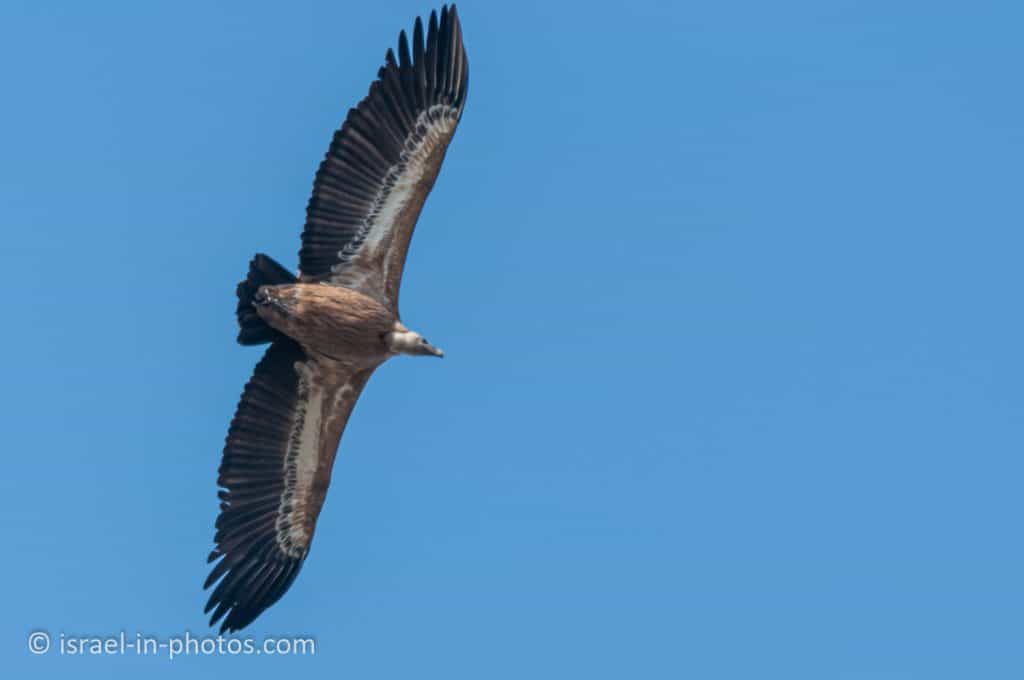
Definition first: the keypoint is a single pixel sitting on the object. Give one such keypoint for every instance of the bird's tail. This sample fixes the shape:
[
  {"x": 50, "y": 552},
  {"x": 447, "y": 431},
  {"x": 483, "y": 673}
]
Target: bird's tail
[{"x": 263, "y": 271}]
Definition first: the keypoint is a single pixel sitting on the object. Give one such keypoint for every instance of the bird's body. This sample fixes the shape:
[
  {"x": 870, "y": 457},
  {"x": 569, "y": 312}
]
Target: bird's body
[{"x": 334, "y": 322}]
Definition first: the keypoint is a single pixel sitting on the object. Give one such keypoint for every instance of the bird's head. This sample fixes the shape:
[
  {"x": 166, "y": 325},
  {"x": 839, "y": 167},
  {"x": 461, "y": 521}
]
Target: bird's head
[{"x": 412, "y": 343}]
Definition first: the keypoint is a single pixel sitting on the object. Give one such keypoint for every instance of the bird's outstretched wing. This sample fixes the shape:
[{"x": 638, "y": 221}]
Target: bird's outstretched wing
[
  {"x": 382, "y": 163},
  {"x": 274, "y": 476}
]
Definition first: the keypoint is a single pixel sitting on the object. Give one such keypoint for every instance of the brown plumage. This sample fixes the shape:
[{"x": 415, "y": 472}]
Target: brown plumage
[
  {"x": 332, "y": 324},
  {"x": 329, "y": 321}
]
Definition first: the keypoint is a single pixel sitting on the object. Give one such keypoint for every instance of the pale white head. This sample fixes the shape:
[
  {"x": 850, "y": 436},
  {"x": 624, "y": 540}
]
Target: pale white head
[{"x": 404, "y": 341}]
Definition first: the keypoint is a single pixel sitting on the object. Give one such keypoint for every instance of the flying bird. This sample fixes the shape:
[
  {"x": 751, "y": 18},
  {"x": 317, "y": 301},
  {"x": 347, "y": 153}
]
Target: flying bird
[{"x": 331, "y": 324}]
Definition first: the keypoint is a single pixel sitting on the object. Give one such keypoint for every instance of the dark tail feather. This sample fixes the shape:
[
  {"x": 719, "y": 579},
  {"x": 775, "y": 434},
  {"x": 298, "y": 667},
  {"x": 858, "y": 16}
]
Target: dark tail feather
[{"x": 263, "y": 271}]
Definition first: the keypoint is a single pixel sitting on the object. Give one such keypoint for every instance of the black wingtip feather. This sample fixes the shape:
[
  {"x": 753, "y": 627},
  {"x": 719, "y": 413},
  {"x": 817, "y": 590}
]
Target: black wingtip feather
[
  {"x": 404, "y": 60},
  {"x": 417, "y": 41}
]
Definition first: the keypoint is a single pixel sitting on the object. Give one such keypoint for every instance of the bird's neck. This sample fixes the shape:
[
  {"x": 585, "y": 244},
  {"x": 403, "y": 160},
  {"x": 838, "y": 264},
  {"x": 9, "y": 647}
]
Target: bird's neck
[{"x": 401, "y": 340}]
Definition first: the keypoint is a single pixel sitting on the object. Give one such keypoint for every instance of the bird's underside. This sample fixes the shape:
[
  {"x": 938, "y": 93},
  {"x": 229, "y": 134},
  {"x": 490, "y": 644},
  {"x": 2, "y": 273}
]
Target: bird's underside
[{"x": 332, "y": 324}]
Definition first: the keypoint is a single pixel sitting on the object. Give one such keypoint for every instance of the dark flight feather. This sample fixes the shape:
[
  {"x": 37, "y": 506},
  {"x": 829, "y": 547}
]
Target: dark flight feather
[
  {"x": 246, "y": 529},
  {"x": 367, "y": 155}
]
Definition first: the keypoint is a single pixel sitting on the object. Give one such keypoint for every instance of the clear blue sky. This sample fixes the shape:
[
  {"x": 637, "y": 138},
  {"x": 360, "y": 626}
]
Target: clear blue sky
[{"x": 731, "y": 299}]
